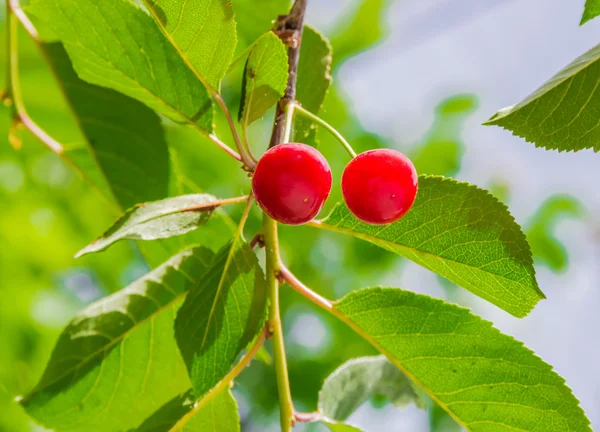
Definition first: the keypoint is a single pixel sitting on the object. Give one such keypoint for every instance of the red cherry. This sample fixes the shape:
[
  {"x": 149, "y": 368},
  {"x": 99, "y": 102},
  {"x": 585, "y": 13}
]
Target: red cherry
[
  {"x": 291, "y": 183},
  {"x": 380, "y": 186}
]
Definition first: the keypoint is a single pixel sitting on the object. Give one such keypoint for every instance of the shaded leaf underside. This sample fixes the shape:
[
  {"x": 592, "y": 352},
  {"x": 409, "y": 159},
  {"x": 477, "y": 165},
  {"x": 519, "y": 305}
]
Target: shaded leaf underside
[
  {"x": 562, "y": 114},
  {"x": 117, "y": 361},
  {"x": 360, "y": 379},
  {"x": 265, "y": 78},
  {"x": 221, "y": 316},
  {"x": 313, "y": 81},
  {"x": 123, "y": 49}
]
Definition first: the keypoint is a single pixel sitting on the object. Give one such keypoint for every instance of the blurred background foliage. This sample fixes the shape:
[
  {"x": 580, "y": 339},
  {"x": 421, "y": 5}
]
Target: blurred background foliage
[{"x": 48, "y": 212}]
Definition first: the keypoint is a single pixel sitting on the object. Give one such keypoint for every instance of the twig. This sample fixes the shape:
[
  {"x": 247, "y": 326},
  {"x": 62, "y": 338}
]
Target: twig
[
  {"x": 289, "y": 29},
  {"x": 224, "y": 383},
  {"x": 257, "y": 240}
]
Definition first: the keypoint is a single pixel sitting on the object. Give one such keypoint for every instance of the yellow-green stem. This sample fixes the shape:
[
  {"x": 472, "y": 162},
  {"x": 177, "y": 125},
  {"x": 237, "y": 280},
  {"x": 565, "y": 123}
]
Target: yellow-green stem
[
  {"x": 289, "y": 121},
  {"x": 327, "y": 126},
  {"x": 13, "y": 91},
  {"x": 286, "y": 407}
]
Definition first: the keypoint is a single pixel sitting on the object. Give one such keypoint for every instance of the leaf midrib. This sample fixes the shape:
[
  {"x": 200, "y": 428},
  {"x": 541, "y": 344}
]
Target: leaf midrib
[
  {"x": 348, "y": 321},
  {"x": 143, "y": 88},
  {"x": 175, "y": 45},
  {"x": 373, "y": 239}
]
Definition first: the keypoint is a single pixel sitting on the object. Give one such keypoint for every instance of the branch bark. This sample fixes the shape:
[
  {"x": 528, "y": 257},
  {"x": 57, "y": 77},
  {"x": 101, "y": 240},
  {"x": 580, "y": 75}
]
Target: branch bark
[{"x": 289, "y": 29}]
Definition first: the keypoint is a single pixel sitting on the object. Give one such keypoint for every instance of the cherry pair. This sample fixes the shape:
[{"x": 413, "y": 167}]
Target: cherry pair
[{"x": 292, "y": 181}]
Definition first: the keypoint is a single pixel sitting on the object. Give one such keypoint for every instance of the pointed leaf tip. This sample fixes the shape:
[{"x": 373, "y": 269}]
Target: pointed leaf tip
[{"x": 157, "y": 220}]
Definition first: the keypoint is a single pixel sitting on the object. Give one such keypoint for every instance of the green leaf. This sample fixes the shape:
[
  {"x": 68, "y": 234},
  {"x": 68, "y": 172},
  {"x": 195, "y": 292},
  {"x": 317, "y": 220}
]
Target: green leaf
[
  {"x": 591, "y": 11},
  {"x": 544, "y": 245},
  {"x": 113, "y": 43},
  {"x": 562, "y": 114},
  {"x": 108, "y": 119},
  {"x": 157, "y": 220},
  {"x": 486, "y": 380},
  {"x": 118, "y": 130},
  {"x": 358, "y": 380},
  {"x": 313, "y": 80},
  {"x": 256, "y": 18},
  {"x": 440, "y": 420},
  {"x": 462, "y": 233},
  {"x": 360, "y": 29},
  {"x": 265, "y": 78},
  {"x": 116, "y": 362},
  {"x": 219, "y": 414},
  {"x": 222, "y": 315},
  {"x": 340, "y": 427},
  {"x": 202, "y": 31},
  {"x": 264, "y": 356}
]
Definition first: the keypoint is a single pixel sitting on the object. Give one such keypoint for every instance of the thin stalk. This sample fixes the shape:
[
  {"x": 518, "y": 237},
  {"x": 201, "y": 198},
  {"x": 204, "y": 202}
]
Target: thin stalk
[
  {"x": 6, "y": 94},
  {"x": 286, "y": 406},
  {"x": 289, "y": 120},
  {"x": 215, "y": 204},
  {"x": 224, "y": 147},
  {"x": 247, "y": 142},
  {"x": 14, "y": 15},
  {"x": 327, "y": 126},
  {"x": 247, "y": 160},
  {"x": 302, "y": 289},
  {"x": 224, "y": 383},
  {"x": 14, "y": 86}
]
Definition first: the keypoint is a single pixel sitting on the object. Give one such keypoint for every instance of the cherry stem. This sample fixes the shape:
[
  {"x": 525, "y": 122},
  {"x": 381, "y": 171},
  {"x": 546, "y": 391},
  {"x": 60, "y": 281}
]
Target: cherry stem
[
  {"x": 327, "y": 126},
  {"x": 289, "y": 120},
  {"x": 225, "y": 382}
]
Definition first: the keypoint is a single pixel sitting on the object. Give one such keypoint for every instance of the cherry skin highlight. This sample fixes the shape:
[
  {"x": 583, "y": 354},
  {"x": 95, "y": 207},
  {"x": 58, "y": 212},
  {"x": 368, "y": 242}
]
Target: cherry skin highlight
[
  {"x": 379, "y": 186},
  {"x": 291, "y": 183}
]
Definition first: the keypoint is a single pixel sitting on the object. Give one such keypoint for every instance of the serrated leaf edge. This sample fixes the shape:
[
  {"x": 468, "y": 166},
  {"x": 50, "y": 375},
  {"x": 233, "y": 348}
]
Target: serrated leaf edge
[
  {"x": 399, "y": 365},
  {"x": 323, "y": 224}
]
